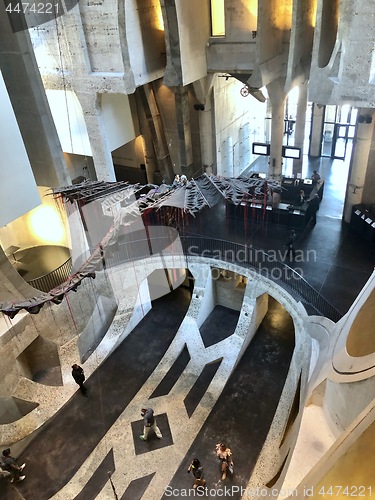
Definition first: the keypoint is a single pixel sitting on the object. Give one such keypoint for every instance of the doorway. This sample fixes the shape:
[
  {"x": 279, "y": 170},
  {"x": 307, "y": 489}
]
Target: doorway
[{"x": 338, "y": 131}]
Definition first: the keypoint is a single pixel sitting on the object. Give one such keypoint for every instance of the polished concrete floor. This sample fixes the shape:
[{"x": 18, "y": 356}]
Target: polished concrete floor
[
  {"x": 63, "y": 445},
  {"x": 343, "y": 264},
  {"x": 338, "y": 262}
]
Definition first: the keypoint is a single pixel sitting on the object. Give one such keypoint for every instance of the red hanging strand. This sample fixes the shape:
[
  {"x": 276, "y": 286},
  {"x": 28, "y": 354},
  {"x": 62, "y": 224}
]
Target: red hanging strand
[{"x": 71, "y": 312}]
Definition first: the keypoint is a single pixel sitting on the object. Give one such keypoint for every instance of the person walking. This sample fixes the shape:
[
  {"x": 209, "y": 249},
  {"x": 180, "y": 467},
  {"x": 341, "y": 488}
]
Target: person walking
[
  {"x": 196, "y": 468},
  {"x": 9, "y": 464},
  {"x": 225, "y": 455},
  {"x": 291, "y": 252},
  {"x": 79, "y": 376},
  {"x": 149, "y": 423}
]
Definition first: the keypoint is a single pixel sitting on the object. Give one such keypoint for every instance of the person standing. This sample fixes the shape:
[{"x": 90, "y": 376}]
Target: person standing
[
  {"x": 301, "y": 198},
  {"x": 313, "y": 208},
  {"x": 196, "y": 468},
  {"x": 315, "y": 177},
  {"x": 225, "y": 455},
  {"x": 79, "y": 376},
  {"x": 149, "y": 423},
  {"x": 9, "y": 464}
]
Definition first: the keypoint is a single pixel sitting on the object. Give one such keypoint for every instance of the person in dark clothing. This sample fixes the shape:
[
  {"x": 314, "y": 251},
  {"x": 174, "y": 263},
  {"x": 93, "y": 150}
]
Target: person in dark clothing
[
  {"x": 291, "y": 252},
  {"x": 9, "y": 464},
  {"x": 313, "y": 208},
  {"x": 196, "y": 468},
  {"x": 315, "y": 177},
  {"x": 300, "y": 200},
  {"x": 149, "y": 423},
  {"x": 79, "y": 377}
]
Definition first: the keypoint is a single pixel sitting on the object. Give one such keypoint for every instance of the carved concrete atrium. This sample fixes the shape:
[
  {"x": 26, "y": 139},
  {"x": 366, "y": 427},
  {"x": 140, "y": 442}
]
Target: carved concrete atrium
[{"x": 187, "y": 211}]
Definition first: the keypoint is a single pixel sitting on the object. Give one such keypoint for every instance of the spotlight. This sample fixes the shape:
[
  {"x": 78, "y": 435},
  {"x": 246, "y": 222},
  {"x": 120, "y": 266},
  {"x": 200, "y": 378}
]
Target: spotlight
[
  {"x": 368, "y": 119},
  {"x": 361, "y": 119}
]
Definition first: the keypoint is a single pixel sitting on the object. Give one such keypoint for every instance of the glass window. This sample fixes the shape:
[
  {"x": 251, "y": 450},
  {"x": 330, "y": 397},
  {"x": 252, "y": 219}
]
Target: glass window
[
  {"x": 330, "y": 115},
  {"x": 344, "y": 114},
  {"x": 353, "y": 116},
  {"x": 217, "y": 18}
]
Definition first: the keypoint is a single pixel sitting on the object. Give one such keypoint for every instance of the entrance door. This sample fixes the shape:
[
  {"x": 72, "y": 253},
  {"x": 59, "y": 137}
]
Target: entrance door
[
  {"x": 338, "y": 131},
  {"x": 339, "y": 141}
]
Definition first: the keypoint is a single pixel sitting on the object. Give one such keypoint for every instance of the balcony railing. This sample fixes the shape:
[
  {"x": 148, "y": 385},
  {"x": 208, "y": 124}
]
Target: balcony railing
[
  {"x": 56, "y": 277},
  {"x": 257, "y": 261}
]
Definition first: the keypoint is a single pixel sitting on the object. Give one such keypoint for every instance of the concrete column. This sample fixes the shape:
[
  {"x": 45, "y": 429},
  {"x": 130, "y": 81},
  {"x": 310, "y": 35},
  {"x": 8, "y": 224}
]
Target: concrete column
[
  {"x": 299, "y": 133},
  {"x": 150, "y": 156},
  {"x": 101, "y": 154},
  {"x": 277, "y": 97},
  {"x": 156, "y": 131},
  {"x": 173, "y": 71},
  {"x": 206, "y": 136},
  {"x": 316, "y": 130},
  {"x": 183, "y": 129},
  {"x": 359, "y": 162},
  {"x": 203, "y": 92},
  {"x": 26, "y": 92}
]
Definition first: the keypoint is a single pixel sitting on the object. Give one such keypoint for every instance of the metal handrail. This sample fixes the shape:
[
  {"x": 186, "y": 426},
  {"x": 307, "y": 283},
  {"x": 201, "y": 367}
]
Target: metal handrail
[
  {"x": 54, "y": 278},
  {"x": 275, "y": 270}
]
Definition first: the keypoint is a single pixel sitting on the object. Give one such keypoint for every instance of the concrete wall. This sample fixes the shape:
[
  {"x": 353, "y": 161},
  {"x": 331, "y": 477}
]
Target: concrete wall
[
  {"x": 80, "y": 166},
  {"x": 348, "y": 464},
  {"x": 39, "y": 356},
  {"x": 235, "y": 52},
  {"x": 167, "y": 106},
  {"x": 96, "y": 327},
  {"x": 272, "y": 462},
  {"x": 20, "y": 71},
  {"x": 194, "y": 31},
  {"x": 44, "y": 225},
  {"x": 145, "y": 39},
  {"x": 346, "y": 74},
  {"x": 241, "y": 18},
  {"x": 117, "y": 119},
  {"x": 131, "y": 154},
  {"x": 18, "y": 190},
  {"x": 208, "y": 300},
  {"x": 238, "y": 123},
  {"x": 368, "y": 196},
  {"x": 351, "y": 372},
  {"x": 101, "y": 36},
  {"x": 71, "y": 127},
  {"x": 106, "y": 39},
  {"x": 54, "y": 326},
  {"x": 12, "y": 409},
  {"x": 301, "y": 41},
  {"x": 339, "y": 414},
  {"x": 230, "y": 291},
  {"x": 256, "y": 308}
]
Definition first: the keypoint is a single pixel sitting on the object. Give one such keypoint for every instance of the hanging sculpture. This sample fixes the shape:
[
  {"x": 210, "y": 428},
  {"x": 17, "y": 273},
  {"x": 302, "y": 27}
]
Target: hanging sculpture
[{"x": 125, "y": 202}]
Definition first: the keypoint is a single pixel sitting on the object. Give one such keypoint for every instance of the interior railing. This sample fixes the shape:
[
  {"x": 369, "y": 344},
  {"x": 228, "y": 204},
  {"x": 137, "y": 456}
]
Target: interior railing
[
  {"x": 53, "y": 279},
  {"x": 256, "y": 260}
]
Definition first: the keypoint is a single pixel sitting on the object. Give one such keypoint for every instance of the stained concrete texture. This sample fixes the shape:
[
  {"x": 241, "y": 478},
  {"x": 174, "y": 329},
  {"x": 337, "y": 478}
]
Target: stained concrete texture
[
  {"x": 64, "y": 443},
  {"x": 245, "y": 408}
]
